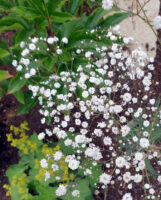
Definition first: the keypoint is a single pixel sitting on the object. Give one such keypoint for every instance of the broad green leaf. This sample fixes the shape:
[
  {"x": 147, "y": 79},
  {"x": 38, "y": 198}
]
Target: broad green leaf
[
  {"x": 54, "y": 5},
  {"x": 4, "y": 75},
  {"x": 114, "y": 19},
  {"x": 12, "y": 19},
  {"x": 16, "y": 84},
  {"x": 31, "y": 13},
  {"x": 3, "y": 44},
  {"x": 66, "y": 29},
  {"x": 3, "y": 53},
  {"x": 22, "y": 35},
  {"x": 29, "y": 103},
  {"x": 66, "y": 56},
  {"x": 85, "y": 192},
  {"x": 95, "y": 17},
  {"x": 15, "y": 26},
  {"x": 38, "y": 5},
  {"x": 73, "y": 6},
  {"x": 19, "y": 96},
  {"x": 150, "y": 167},
  {"x": 5, "y": 4},
  {"x": 94, "y": 3},
  {"x": 61, "y": 17}
]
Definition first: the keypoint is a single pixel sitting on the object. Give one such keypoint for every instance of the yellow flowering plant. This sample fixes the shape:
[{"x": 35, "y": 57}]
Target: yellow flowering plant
[
  {"x": 27, "y": 177},
  {"x": 40, "y": 172}
]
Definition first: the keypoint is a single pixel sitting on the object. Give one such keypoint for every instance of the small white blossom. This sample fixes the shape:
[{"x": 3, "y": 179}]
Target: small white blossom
[
  {"x": 157, "y": 22},
  {"x": 105, "y": 178}
]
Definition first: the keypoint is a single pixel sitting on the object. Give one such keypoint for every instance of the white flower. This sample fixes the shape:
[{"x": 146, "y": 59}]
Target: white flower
[
  {"x": 61, "y": 190},
  {"x": 54, "y": 167},
  {"x": 19, "y": 68},
  {"x": 127, "y": 177},
  {"x": 120, "y": 162},
  {"x": 117, "y": 109},
  {"x": 141, "y": 165},
  {"x": 88, "y": 54},
  {"x": 137, "y": 178},
  {"x": 32, "y": 47},
  {"x": 107, "y": 4},
  {"x": 41, "y": 136},
  {"x": 22, "y": 44},
  {"x": 146, "y": 123},
  {"x": 59, "y": 51},
  {"x": 144, "y": 143},
  {"x": 73, "y": 164},
  {"x": 65, "y": 40},
  {"x": 127, "y": 97},
  {"x": 44, "y": 163},
  {"x": 157, "y": 22},
  {"x": 138, "y": 156},
  {"x": 76, "y": 193},
  {"x": 68, "y": 142},
  {"x": 14, "y": 63},
  {"x": 80, "y": 139},
  {"x": 27, "y": 75},
  {"x": 85, "y": 94},
  {"x": 47, "y": 175},
  {"x": 25, "y": 52},
  {"x": 159, "y": 179},
  {"x": 50, "y": 40},
  {"x": 105, "y": 178},
  {"x": 107, "y": 140},
  {"x": 32, "y": 71},
  {"x": 127, "y": 196},
  {"x": 125, "y": 130},
  {"x": 58, "y": 155}
]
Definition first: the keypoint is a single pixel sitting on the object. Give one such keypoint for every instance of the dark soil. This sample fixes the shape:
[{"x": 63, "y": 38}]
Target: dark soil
[{"x": 8, "y": 116}]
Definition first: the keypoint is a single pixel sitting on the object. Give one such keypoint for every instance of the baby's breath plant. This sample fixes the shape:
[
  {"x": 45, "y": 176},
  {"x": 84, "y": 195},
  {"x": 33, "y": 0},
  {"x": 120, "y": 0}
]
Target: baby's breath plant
[{"x": 97, "y": 96}]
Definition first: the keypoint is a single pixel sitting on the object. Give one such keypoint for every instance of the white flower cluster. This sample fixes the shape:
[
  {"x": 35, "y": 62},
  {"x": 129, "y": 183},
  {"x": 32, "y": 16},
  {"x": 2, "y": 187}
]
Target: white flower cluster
[{"x": 95, "y": 108}]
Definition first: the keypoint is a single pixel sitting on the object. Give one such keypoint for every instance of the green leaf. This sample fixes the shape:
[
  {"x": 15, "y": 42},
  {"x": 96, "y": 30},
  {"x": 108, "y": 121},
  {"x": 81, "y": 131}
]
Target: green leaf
[
  {"x": 29, "y": 103},
  {"x": 13, "y": 19},
  {"x": 73, "y": 6},
  {"x": 95, "y": 17},
  {"x": 3, "y": 53},
  {"x": 16, "y": 84},
  {"x": 1, "y": 93},
  {"x": 5, "y": 4},
  {"x": 19, "y": 96},
  {"x": 61, "y": 17},
  {"x": 150, "y": 168},
  {"x": 4, "y": 75},
  {"x": 54, "y": 5},
  {"x": 31, "y": 13},
  {"x": 68, "y": 28},
  {"x": 66, "y": 56},
  {"x": 114, "y": 19},
  {"x": 22, "y": 35},
  {"x": 155, "y": 136},
  {"x": 83, "y": 186},
  {"x": 4, "y": 45}
]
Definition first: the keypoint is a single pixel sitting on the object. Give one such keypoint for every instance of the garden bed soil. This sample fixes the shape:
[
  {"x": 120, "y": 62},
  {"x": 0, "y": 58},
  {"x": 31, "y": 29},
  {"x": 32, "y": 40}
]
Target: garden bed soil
[{"x": 8, "y": 116}]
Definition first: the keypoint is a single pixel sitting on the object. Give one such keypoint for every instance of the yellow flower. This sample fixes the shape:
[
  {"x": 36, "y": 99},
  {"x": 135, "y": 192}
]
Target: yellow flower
[{"x": 37, "y": 164}]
